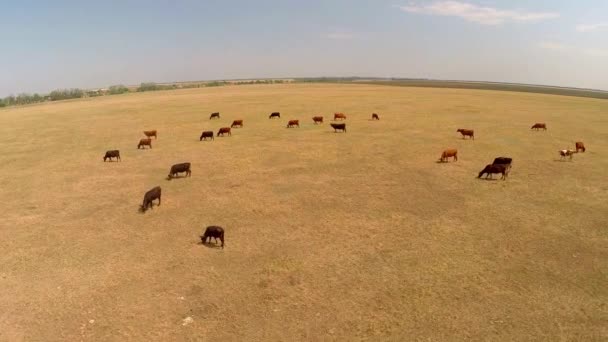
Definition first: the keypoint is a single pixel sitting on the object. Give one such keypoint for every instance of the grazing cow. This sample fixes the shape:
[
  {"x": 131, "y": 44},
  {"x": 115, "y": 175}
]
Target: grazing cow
[
  {"x": 566, "y": 153},
  {"x": 205, "y": 135},
  {"x": 494, "y": 168},
  {"x": 317, "y": 119},
  {"x": 375, "y": 116},
  {"x": 144, "y": 142},
  {"x": 178, "y": 168},
  {"x": 214, "y": 116},
  {"x": 213, "y": 232},
  {"x": 224, "y": 130},
  {"x": 503, "y": 161},
  {"x": 580, "y": 146},
  {"x": 237, "y": 123},
  {"x": 337, "y": 127},
  {"x": 538, "y": 126},
  {"x": 293, "y": 123},
  {"x": 274, "y": 115},
  {"x": 150, "y": 134},
  {"x": 452, "y": 152},
  {"x": 112, "y": 154},
  {"x": 339, "y": 116},
  {"x": 150, "y": 196},
  {"x": 466, "y": 133}
]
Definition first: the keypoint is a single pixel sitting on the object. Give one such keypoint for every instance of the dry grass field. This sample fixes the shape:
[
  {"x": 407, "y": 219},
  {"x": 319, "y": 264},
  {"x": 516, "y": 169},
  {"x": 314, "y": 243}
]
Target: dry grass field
[{"x": 329, "y": 236}]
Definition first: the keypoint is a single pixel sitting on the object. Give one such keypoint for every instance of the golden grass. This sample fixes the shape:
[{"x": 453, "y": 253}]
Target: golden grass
[{"x": 329, "y": 236}]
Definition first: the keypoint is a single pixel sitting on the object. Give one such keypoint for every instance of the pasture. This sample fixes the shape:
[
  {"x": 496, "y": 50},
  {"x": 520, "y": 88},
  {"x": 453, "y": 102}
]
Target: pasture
[{"x": 328, "y": 236}]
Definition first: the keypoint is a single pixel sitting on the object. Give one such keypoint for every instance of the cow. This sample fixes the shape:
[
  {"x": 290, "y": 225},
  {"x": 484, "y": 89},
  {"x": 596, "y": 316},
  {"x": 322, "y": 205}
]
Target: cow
[
  {"x": 566, "y": 153},
  {"x": 339, "y": 116},
  {"x": 237, "y": 123},
  {"x": 150, "y": 134},
  {"x": 503, "y": 161},
  {"x": 112, "y": 154},
  {"x": 375, "y": 116},
  {"x": 144, "y": 142},
  {"x": 452, "y": 152},
  {"x": 293, "y": 123},
  {"x": 224, "y": 130},
  {"x": 580, "y": 146},
  {"x": 205, "y": 135},
  {"x": 213, "y": 232},
  {"x": 150, "y": 196},
  {"x": 494, "y": 168},
  {"x": 214, "y": 116},
  {"x": 539, "y": 125},
  {"x": 337, "y": 127},
  {"x": 178, "y": 168},
  {"x": 466, "y": 133},
  {"x": 274, "y": 115},
  {"x": 317, "y": 119}
]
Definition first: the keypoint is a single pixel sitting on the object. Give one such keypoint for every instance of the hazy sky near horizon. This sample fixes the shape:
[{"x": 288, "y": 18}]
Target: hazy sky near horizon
[{"x": 65, "y": 44}]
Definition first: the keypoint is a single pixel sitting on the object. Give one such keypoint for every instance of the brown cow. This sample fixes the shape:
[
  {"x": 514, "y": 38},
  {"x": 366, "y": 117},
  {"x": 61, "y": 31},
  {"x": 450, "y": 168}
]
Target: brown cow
[
  {"x": 539, "y": 125},
  {"x": 205, "y": 135},
  {"x": 274, "y": 115},
  {"x": 466, "y": 133},
  {"x": 150, "y": 196},
  {"x": 144, "y": 142},
  {"x": 293, "y": 123},
  {"x": 452, "y": 152},
  {"x": 337, "y": 127},
  {"x": 150, "y": 134},
  {"x": 580, "y": 146},
  {"x": 178, "y": 168},
  {"x": 494, "y": 168},
  {"x": 223, "y": 131},
  {"x": 339, "y": 116},
  {"x": 214, "y": 116},
  {"x": 375, "y": 116},
  {"x": 213, "y": 232},
  {"x": 112, "y": 154},
  {"x": 317, "y": 119},
  {"x": 237, "y": 123}
]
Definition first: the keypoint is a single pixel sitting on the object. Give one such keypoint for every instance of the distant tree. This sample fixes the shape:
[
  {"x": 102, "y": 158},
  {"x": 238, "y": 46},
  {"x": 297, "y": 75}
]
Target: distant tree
[{"x": 117, "y": 89}]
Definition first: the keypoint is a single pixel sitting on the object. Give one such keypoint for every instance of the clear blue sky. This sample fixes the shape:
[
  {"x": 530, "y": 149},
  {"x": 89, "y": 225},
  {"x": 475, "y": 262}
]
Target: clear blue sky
[{"x": 61, "y": 44}]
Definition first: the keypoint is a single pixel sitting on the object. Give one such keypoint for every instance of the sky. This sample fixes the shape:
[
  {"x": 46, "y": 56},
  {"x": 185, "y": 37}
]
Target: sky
[{"x": 46, "y": 45}]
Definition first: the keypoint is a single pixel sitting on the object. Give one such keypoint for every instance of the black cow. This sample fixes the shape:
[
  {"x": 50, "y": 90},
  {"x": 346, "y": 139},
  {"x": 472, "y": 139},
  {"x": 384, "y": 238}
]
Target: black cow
[
  {"x": 274, "y": 115},
  {"x": 337, "y": 127},
  {"x": 178, "y": 168},
  {"x": 215, "y": 232},
  {"x": 214, "y": 116},
  {"x": 205, "y": 135},
  {"x": 494, "y": 168},
  {"x": 112, "y": 154},
  {"x": 150, "y": 196},
  {"x": 503, "y": 161}
]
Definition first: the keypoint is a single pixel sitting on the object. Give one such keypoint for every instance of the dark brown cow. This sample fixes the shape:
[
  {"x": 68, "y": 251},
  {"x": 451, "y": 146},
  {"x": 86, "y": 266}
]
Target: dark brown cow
[
  {"x": 112, "y": 154},
  {"x": 339, "y": 116},
  {"x": 178, "y": 168},
  {"x": 214, "y": 116},
  {"x": 451, "y": 152},
  {"x": 494, "y": 168},
  {"x": 580, "y": 146},
  {"x": 150, "y": 134},
  {"x": 293, "y": 123},
  {"x": 466, "y": 133},
  {"x": 538, "y": 126},
  {"x": 237, "y": 123},
  {"x": 337, "y": 127},
  {"x": 317, "y": 119},
  {"x": 205, "y": 135},
  {"x": 215, "y": 232},
  {"x": 144, "y": 142},
  {"x": 224, "y": 130},
  {"x": 375, "y": 116},
  {"x": 274, "y": 115},
  {"x": 150, "y": 196}
]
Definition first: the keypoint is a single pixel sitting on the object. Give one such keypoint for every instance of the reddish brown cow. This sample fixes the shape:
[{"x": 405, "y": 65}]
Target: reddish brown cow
[
  {"x": 580, "y": 146},
  {"x": 150, "y": 134},
  {"x": 237, "y": 123},
  {"x": 339, "y": 116},
  {"x": 144, "y": 142},
  {"x": 538, "y": 126},
  {"x": 466, "y": 133},
  {"x": 224, "y": 130},
  {"x": 293, "y": 123},
  {"x": 375, "y": 116},
  {"x": 451, "y": 152},
  {"x": 317, "y": 119}
]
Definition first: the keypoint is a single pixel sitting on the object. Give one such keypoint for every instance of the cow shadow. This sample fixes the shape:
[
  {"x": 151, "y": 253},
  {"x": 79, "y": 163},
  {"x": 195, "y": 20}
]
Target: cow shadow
[
  {"x": 488, "y": 179},
  {"x": 210, "y": 245}
]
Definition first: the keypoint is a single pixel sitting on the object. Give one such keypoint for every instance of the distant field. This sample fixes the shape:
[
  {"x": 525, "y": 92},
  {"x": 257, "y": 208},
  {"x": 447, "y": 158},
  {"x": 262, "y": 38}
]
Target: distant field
[{"x": 329, "y": 236}]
